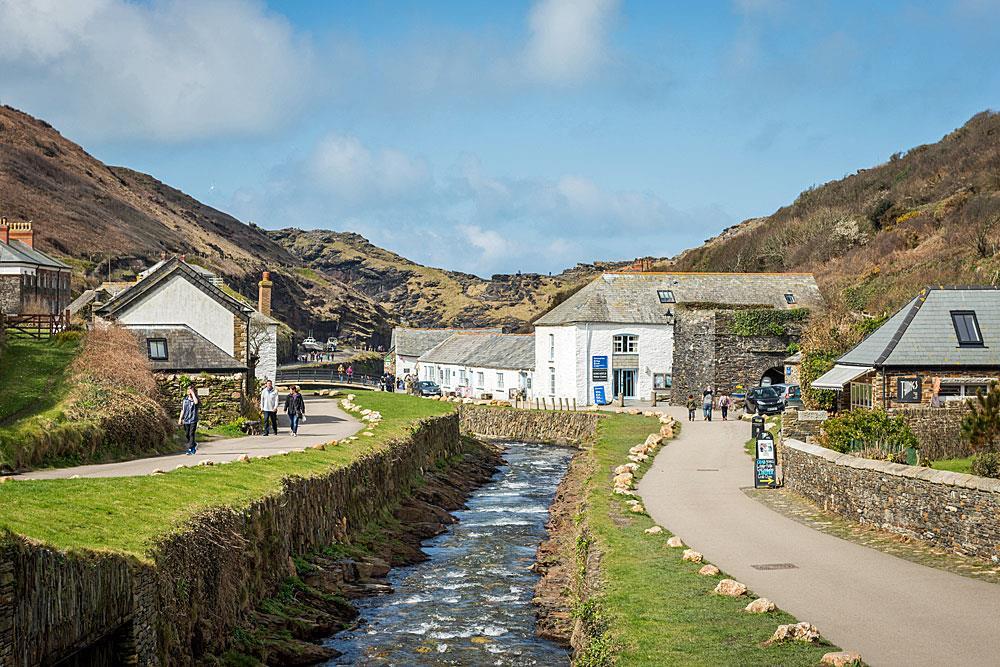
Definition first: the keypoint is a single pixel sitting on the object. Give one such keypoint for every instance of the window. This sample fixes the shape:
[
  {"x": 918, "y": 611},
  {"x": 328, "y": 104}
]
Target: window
[
  {"x": 447, "y": 376},
  {"x": 665, "y": 295},
  {"x": 552, "y": 347},
  {"x": 527, "y": 383},
  {"x": 626, "y": 343},
  {"x": 789, "y": 298},
  {"x": 480, "y": 380},
  {"x": 461, "y": 377},
  {"x": 157, "y": 348},
  {"x": 959, "y": 392},
  {"x": 552, "y": 382},
  {"x": 967, "y": 328},
  {"x": 499, "y": 380},
  {"x": 441, "y": 374},
  {"x": 861, "y": 395},
  {"x": 662, "y": 380}
]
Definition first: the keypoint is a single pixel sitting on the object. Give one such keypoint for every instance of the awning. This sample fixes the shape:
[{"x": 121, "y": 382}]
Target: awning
[{"x": 838, "y": 376}]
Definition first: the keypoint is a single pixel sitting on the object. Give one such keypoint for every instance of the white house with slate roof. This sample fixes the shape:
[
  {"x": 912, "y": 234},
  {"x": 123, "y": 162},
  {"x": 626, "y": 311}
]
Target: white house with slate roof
[
  {"x": 619, "y": 335},
  {"x": 942, "y": 346},
  {"x": 474, "y": 364},
  {"x": 31, "y": 282},
  {"x": 408, "y": 343}
]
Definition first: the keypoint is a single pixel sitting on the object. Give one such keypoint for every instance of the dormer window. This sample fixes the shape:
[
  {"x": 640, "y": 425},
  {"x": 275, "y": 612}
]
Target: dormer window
[
  {"x": 157, "y": 348},
  {"x": 789, "y": 298},
  {"x": 665, "y": 295},
  {"x": 967, "y": 328}
]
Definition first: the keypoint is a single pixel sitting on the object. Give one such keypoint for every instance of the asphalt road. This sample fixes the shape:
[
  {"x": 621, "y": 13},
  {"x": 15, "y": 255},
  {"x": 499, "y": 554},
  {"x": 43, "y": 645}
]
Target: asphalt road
[
  {"x": 892, "y": 611},
  {"x": 324, "y": 422}
]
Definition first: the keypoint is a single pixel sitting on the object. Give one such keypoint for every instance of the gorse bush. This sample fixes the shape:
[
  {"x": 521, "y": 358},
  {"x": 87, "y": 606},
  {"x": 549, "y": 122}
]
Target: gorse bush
[
  {"x": 867, "y": 430},
  {"x": 981, "y": 426}
]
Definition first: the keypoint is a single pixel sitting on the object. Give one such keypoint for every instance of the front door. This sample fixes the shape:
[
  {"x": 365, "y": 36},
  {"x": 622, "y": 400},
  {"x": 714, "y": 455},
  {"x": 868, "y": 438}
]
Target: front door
[{"x": 624, "y": 383}]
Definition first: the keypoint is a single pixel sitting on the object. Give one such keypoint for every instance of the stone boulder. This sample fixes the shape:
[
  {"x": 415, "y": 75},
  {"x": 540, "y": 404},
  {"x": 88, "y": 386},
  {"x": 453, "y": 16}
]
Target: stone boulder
[
  {"x": 692, "y": 555},
  {"x": 841, "y": 659},
  {"x": 675, "y": 542},
  {"x": 637, "y": 509},
  {"x": 653, "y": 440},
  {"x": 708, "y": 571},
  {"x": 623, "y": 480},
  {"x": 655, "y": 530},
  {"x": 802, "y": 632},
  {"x": 731, "y": 588},
  {"x": 760, "y": 606}
]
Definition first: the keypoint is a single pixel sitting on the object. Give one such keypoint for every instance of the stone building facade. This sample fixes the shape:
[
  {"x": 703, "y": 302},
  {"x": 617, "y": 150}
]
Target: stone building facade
[{"x": 31, "y": 282}]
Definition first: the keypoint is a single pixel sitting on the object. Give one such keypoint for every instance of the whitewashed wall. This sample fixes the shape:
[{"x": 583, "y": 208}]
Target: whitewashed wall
[
  {"x": 449, "y": 376},
  {"x": 267, "y": 363},
  {"x": 177, "y": 301}
]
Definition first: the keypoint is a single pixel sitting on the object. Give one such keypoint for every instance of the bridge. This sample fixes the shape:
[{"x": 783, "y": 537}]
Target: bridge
[{"x": 323, "y": 377}]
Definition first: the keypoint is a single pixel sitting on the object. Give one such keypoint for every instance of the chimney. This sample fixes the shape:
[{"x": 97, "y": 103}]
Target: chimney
[
  {"x": 21, "y": 231},
  {"x": 4, "y": 231},
  {"x": 264, "y": 294}
]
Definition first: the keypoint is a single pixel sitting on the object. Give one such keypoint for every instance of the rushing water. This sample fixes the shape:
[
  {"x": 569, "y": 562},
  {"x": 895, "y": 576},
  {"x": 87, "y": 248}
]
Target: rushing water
[{"x": 470, "y": 604}]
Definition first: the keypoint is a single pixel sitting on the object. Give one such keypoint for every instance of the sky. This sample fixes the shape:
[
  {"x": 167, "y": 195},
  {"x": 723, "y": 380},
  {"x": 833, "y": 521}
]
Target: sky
[{"x": 495, "y": 137}]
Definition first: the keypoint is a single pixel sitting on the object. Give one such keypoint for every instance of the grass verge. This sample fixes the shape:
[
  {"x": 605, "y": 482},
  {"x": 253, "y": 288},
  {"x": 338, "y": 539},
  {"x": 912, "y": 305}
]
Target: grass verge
[
  {"x": 963, "y": 465},
  {"x": 656, "y": 608},
  {"x": 127, "y": 514}
]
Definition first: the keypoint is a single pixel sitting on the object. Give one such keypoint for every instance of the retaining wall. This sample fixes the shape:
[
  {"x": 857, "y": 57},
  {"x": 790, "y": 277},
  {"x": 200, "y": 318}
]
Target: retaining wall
[
  {"x": 205, "y": 579},
  {"x": 956, "y": 511},
  {"x": 529, "y": 425},
  {"x": 938, "y": 430}
]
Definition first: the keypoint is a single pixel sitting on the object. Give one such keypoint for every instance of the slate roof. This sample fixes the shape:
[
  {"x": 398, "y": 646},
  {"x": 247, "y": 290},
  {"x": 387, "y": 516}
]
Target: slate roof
[
  {"x": 18, "y": 252},
  {"x": 922, "y": 333},
  {"x": 485, "y": 350},
  {"x": 631, "y": 298},
  {"x": 412, "y": 342},
  {"x": 187, "y": 350}
]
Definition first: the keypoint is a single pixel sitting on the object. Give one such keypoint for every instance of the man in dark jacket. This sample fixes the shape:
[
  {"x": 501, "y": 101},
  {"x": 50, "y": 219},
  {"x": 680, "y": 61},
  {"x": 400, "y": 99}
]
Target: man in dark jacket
[
  {"x": 189, "y": 418},
  {"x": 295, "y": 407}
]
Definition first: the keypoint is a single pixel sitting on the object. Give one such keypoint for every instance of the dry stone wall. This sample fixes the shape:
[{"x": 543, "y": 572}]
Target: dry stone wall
[
  {"x": 570, "y": 428},
  {"x": 221, "y": 405},
  {"x": 956, "y": 511}
]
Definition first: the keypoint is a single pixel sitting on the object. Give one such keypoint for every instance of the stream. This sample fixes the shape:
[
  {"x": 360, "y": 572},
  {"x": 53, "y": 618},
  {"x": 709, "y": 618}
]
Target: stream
[{"x": 470, "y": 603}]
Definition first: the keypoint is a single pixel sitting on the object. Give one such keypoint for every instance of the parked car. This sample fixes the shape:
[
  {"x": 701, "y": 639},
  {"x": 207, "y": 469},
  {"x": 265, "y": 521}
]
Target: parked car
[
  {"x": 791, "y": 394},
  {"x": 765, "y": 400},
  {"x": 428, "y": 388}
]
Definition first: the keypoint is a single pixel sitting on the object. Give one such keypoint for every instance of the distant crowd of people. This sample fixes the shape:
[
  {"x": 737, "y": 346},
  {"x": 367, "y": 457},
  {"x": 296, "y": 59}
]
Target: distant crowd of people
[{"x": 708, "y": 403}]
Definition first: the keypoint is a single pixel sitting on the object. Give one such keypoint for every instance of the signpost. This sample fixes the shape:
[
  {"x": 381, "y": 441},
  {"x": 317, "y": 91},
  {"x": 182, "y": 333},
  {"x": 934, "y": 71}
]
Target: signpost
[
  {"x": 599, "y": 373},
  {"x": 765, "y": 464},
  {"x": 599, "y": 397}
]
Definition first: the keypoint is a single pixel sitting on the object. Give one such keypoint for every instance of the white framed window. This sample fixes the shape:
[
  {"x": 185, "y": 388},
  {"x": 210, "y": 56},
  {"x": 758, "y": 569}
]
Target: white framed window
[
  {"x": 961, "y": 392},
  {"x": 447, "y": 376},
  {"x": 626, "y": 343},
  {"x": 552, "y": 347},
  {"x": 461, "y": 377},
  {"x": 499, "y": 380},
  {"x": 552, "y": 381},
  {"x": 157, "y": 348},
  {"x": 441, "y": 374},
  {"x": 861, "y": 395},
  {"x": 480, "y": 379},
  {"x": 967, "y": 328}
]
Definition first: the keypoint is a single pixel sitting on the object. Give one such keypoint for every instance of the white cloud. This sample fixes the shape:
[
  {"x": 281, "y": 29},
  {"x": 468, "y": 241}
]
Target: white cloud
[
  {"x": 168, "y": 70},
  {"x": 345, "y": 167},
  {"x": 568, "y": 38}
]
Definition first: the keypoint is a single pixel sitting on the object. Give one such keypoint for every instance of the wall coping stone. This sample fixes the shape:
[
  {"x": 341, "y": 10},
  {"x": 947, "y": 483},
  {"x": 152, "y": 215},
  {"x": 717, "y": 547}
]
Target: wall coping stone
[{"x": 944, "y": 477}]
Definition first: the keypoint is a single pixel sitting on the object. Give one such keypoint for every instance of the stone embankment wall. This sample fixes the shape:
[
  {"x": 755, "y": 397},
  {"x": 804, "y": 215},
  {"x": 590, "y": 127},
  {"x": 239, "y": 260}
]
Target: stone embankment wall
[
  {"x": 799, "y": 429},
  {"x": 938, "y": 430},
  {"x": 956, "y": 511},
  {"x": 207, "y": 578},
  {"x": 572, "y": 428}
]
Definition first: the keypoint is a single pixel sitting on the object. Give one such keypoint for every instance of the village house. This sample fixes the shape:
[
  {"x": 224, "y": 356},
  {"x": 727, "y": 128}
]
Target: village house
[
  {"x": 630, "y": 333},
  {"x": 408, "y": 343},
  {"x": 941, "y": 347},
  {"x": 31, "y": 282},
  {"x": 482, "y": 364},
  {"x": 191, "y": 327}
]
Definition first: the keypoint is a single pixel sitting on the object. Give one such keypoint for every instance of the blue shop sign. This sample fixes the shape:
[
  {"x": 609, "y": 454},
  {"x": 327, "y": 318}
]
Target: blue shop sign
[
  {"x": 599, "y": 398},
  {"x": 600, "y": 362}
]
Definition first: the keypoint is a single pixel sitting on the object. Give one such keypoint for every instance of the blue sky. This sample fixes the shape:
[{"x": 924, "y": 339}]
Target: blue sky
[{"x": 501, "y": 136}]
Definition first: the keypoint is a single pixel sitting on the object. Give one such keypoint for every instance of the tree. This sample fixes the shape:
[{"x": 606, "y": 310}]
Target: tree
[{"x": 981, "y": 427}]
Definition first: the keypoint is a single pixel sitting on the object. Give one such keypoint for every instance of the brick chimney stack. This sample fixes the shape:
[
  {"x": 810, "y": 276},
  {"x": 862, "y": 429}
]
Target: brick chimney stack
[
  {"x": 264, "y": 293},
  {"x": 4, "y": 231},
  {"x": 21, "y": 231}
]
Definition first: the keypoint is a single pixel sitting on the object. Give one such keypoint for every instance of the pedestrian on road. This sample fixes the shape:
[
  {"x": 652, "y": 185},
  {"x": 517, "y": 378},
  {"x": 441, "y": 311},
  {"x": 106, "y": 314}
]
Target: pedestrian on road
[
  {"x": 340, "y": 372},
  {"x": 707, "y": 399},
  {"x": 692, "y": 405},
  {"x": 269, "y": 407},
  {"x": 724, "y": 406},
  {"x": 295, "y": 408},
  {"x": 189, "y": 418},
  {"x": 350, "y": 373}
]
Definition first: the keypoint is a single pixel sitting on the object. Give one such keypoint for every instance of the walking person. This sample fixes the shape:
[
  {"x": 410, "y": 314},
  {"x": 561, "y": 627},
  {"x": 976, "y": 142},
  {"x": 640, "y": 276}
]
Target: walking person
[
  {"x": 350, "y": 373},
  {"x": 269, "y": 407},
  {"x": 692, "y": 405},
  {"x": 295, "y": 408},
  {"x": 707, "y": 400},
  {"x": 189, "y": 418},
  {"x": 340, "y": 372},
  {"x": 724, "y": 406}
]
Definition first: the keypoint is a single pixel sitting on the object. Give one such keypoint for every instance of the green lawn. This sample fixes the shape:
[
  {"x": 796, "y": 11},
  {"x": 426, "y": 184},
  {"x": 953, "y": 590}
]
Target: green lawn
[
  {"x": 954, "y": 465},
  {"x": 31, "y": 376},
  {"x": 660, "y": 610},
  {"x": 126, "y": 514}
]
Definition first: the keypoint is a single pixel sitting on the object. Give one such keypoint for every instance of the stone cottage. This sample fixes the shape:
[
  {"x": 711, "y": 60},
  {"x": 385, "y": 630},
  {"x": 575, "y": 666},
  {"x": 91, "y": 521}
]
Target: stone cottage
[
  {"x": 31, "y": 282},
  {"x": 480, "y": 364},
  {"x": 630, "y": 333}
]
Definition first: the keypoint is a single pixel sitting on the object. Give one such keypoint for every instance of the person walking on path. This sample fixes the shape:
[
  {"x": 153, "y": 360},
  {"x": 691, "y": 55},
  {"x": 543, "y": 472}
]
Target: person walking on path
[
  {"x": 692, "y": 405},
  {"x": 724, "y": 406},
  {"x": 189, "y": 418},
  {"x": 340, "y": 372},
  {"x": 269, "y": 407},
  {"x": 350, "y": 373},
  {"x": 295, "y": 408},
  {"x": 707, "y": 399}
]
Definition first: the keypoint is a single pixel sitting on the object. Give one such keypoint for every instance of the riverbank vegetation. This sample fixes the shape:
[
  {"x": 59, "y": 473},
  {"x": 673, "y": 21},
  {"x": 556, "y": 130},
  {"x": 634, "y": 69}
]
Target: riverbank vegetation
[
  {"x": 128, "y": 514},
  {"x": 651, "y": 607}
]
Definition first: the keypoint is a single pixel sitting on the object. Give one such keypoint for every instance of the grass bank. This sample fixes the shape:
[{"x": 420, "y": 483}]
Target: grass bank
[
  {"x": 127, "y": 514},
  {"x": 32, "y": 376},
  {"x": 654, "y": 608}
]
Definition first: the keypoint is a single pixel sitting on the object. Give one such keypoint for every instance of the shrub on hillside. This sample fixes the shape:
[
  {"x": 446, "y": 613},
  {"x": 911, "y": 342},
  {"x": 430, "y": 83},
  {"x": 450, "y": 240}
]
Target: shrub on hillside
[
  {"x": 111, "y": 357},
  {"x": 986, "y": 464},
  {"x": 867, "y": 430}
]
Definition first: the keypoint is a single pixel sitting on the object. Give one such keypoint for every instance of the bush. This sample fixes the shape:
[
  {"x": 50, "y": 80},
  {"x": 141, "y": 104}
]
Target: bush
[
  {"x": 867, "y": 430},
  {"x": 766, "y": 322},
  {"x": 986, "y": 464},
  {"x": 813, "y": 365},
  {"x": 111, "y": 357},
  {"x": 981, "y": 426}
]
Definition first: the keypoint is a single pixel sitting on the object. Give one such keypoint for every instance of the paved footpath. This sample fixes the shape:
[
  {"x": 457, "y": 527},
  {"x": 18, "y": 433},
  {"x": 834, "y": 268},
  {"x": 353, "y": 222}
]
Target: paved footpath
[
  {"x": 892, "y": 611},
  {"x": 324, "y": 422}
]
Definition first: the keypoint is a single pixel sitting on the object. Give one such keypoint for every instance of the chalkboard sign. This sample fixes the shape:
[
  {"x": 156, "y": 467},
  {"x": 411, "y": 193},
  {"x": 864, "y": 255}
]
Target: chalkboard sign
[
  {"x": 600, "y": 374},
  {"x": 765, "y": 473},
  {"x": 599, "y": 398}
]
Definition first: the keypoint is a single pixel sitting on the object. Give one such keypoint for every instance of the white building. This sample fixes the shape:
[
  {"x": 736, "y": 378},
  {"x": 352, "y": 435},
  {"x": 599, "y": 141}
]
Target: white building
[
  {"x": 408, "y": 343},
  {"x": 477, "y": 364},
  {"x": 616, "y": 336}
]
